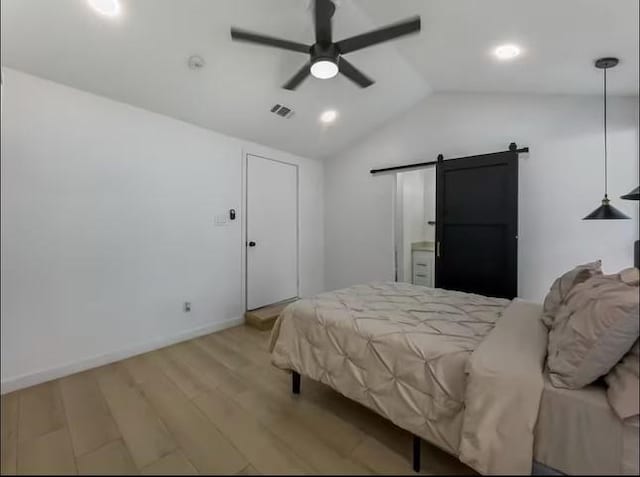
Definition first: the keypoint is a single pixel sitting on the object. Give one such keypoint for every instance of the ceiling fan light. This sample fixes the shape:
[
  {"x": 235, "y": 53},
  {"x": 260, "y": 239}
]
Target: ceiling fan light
[{"x": 324, "y": 69}]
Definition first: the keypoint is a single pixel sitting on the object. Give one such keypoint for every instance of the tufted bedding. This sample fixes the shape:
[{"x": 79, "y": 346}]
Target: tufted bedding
[
  {"x": 403, "y": 351},
  {"x": 463, "y": 371}
]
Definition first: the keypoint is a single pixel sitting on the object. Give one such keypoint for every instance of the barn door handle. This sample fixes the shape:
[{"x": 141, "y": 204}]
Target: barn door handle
[
  {"x": 252, "y": 244},
  {"x": 437, "y": 249}
]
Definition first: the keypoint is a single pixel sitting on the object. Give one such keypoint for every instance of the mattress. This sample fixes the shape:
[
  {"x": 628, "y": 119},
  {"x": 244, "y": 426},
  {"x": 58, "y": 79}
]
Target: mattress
[
  {"x": 577, "y": 432},
  {"x": 396, "y": 348}
]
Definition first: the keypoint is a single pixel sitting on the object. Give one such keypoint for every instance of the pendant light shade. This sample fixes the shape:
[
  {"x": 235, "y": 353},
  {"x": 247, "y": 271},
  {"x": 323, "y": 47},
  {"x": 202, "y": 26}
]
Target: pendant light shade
[
  {"x": 606, "y": 211},
  {"x": 633, "y": 195}
]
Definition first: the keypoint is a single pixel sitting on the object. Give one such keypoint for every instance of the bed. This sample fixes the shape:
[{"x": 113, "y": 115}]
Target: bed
[
  {"x": 460, "y": 370},
  {"x": 580, "y": 434}
]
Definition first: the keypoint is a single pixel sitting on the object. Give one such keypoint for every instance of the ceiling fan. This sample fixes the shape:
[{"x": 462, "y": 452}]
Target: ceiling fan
[{"x": 326, "y": 56}]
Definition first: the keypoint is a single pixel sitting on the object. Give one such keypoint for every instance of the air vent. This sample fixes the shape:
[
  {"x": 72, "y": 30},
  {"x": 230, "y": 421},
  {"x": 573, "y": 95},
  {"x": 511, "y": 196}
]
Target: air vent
[{"x": 282, "y": 111}]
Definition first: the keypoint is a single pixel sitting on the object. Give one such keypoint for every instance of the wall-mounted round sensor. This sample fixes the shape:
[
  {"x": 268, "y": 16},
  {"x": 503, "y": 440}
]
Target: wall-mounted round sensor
[{"x": 196, "y": 62}]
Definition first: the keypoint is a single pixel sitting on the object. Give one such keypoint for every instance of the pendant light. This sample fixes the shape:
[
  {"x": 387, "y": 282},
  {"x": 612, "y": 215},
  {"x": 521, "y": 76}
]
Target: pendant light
[
  {"x": 633, "y": 195},
  {"x": 606, "y": 211}
]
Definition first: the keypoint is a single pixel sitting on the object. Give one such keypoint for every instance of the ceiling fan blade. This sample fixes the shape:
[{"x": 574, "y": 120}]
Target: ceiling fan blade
[
  {"x": 358, "y": 42},
  {"x": 242, "y": 35},
  {"x": 299, "y": 77},
  {"x": 322, "y": 15},
  {"x": 353, "y": 73}
]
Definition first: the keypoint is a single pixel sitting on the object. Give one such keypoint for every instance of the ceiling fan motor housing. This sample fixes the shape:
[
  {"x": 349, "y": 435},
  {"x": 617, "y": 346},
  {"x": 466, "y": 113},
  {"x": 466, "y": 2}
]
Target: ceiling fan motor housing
[{"x": 324, "y": 53}]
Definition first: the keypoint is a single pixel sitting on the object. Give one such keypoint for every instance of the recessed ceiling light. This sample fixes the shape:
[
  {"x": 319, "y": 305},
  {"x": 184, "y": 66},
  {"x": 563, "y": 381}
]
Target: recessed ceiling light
[
  {"x": 507, "y": 52},
  {"x": 329, "y": 116},
  {"x": 324, "y": 69},
  {"x": 108, "y": 8}
]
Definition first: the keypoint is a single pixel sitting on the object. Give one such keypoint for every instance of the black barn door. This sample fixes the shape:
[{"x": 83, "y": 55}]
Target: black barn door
[{"x": 477, "y": 224}]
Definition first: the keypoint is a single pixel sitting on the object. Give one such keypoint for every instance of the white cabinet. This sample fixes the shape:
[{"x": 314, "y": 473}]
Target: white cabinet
[{"x": 423, "y": 264}]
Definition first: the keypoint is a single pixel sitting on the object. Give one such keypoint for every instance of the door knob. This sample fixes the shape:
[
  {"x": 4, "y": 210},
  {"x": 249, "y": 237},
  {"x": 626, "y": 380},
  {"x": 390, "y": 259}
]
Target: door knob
[{"x": 252, "y": 244}]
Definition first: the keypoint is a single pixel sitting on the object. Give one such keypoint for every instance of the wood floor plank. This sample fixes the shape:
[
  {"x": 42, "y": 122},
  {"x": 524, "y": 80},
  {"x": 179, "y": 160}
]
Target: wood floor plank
[
  {"x": 9, "y": 436},
  {"x": 41, "y": 410},
  {"x": 111, "y": 459},
  {"x": 265, "y": 451},
  {"x": 277, "y": 379},
  {"x": 219, "y": 350},
  {"x": 172, "y": 464},
  {"x": 47, "y": 454},
  {"x": 339, "y": 434},
  {"x": 249, "y": 470},
  {"x": 145, "y": 434},
  {"x": 248, "y": 347},
  {"x": 370, "y": 423},
  {"x": 207, "y": 372},
  {"x": 261, "y": 337},
  {"x": 264, "y": 405},
  {"x": 89, "y": 419},
  {"x": 190, "y": 382},
  {"x": 250, "y": 335},
  {"x": 380, "y": 459},
  {"x": 283, "y": 418},
  {"x": 214, "y": 405},
  {"x": 315, "y": 451},
  {"x": 202, "y": 443}
]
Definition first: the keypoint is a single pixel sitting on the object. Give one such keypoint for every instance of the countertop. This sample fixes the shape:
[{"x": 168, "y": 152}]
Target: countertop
[{"x": 423, "y": 247}]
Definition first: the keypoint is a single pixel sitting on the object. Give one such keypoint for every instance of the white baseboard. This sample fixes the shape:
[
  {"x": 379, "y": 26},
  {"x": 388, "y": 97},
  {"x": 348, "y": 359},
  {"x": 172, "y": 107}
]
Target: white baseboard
[{"x": 31, "y": 379}]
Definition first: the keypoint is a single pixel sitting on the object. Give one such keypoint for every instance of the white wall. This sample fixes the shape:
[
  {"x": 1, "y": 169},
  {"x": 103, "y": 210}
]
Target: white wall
[
  {"x": 560, "y": 181},
  {"x": 108, "y": 227}
]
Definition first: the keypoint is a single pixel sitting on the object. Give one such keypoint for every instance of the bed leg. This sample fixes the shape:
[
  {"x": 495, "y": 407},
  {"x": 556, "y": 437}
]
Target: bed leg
[
  {"x": 416, "y": 454},
  {"x": 295, "y": 382}
]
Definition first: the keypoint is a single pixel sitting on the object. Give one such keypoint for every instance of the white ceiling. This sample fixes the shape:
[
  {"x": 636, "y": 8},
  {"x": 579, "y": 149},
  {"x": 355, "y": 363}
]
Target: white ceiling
[
  {"x": 560, "y": 41},
  {"x": 140, "y": 57}
]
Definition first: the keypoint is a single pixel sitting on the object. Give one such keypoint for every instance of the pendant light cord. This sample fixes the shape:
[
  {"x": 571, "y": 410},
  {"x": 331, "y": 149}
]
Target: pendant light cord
[{"x": 605, "y": 133}]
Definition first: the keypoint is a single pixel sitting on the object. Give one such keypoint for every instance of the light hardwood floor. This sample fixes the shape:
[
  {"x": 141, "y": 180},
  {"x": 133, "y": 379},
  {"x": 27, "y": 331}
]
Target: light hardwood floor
[{"x": 210, "y": 405}]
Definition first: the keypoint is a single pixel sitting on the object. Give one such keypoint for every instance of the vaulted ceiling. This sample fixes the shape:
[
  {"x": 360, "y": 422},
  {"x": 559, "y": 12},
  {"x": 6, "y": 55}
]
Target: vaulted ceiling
[{"x": 140, "y": 57}]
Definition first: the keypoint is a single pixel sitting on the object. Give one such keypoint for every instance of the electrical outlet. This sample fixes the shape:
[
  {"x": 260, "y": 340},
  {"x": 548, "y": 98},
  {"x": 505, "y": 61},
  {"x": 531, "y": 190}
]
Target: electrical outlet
[{"x": 187, "y": 306}]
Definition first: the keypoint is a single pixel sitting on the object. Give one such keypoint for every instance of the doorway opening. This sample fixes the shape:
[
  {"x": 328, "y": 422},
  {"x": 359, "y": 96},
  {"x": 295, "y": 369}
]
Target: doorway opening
[
  {"x": 456, "y": 224},
  {"x": 415, "y": 226}
]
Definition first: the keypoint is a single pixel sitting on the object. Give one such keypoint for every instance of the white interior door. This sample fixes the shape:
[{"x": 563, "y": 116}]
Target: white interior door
[{"x": 272, "y": 231}]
